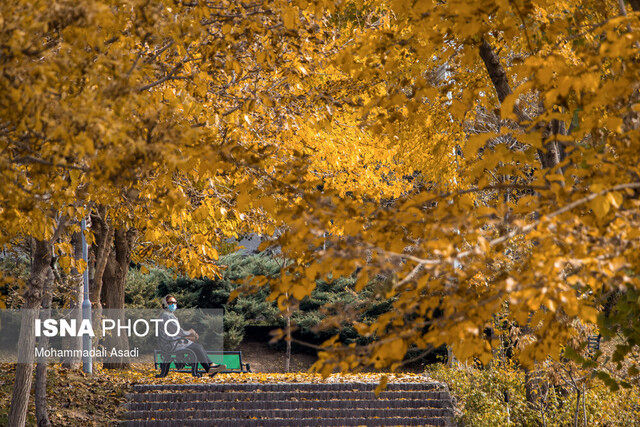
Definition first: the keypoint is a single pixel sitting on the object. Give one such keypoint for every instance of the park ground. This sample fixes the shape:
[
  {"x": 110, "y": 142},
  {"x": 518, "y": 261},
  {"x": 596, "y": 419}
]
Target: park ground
[{"x": 76, "y": 399}]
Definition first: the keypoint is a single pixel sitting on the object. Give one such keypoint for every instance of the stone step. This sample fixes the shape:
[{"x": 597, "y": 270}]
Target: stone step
[
  {"x": 264, "y": 414},
  {"x": 280, "y": 404},
  {"x": 289, "y": 404},
  {"x": 252, "y": 387},
  {"x": 283, "y": 395},
  {"x": 298, "y": 422}
]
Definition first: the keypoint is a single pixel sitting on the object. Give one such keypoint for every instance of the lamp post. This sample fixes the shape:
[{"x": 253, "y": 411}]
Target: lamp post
[{"x": 87, "y": 365}]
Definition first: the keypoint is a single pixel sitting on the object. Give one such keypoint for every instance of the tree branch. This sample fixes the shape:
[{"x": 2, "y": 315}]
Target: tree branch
[
  {"x": 30, "y": 159},
  {"x": 515, "y": 232}
]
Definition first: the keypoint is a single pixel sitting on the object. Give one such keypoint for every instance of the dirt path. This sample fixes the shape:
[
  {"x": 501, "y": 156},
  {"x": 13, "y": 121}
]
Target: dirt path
[{"x": 264, "y": 358}]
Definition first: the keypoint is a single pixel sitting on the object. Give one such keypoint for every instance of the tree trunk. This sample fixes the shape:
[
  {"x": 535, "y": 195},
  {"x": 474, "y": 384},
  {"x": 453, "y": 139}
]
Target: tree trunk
[
  {"x": 42, "y": 414},
  {"x": 75, "y": 343},
  {"x": 287, "y": 366},
  {"x": 41, "y": 273},
  {"x": 584, "y": 404},
  {"x": 528, "y": 387},
  {"x": 496, "y": 73},
  {"x": 99, "y": 255},
  {"x": 577, "y": 409},
  {"x": 554, "y": 151},
  {"x": 451, "y": 359},
  {"x": 114, "y": 279},
  {"x": 101, "y": 250}
]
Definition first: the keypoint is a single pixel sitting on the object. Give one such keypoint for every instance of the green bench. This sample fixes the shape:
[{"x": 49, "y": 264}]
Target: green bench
[{"x": 231, "y": 359}]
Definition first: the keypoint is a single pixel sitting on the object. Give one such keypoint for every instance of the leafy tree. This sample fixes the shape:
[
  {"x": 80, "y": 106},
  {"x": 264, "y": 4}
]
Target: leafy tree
[
  {"x": 106, "y": 105},
  {"x": 537, "y": 108},
  {"x": 476, "y": 154}
]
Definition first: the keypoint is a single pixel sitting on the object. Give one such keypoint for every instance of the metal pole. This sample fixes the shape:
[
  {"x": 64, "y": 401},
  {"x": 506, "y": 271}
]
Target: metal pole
[{"x": 87, "y": 365}]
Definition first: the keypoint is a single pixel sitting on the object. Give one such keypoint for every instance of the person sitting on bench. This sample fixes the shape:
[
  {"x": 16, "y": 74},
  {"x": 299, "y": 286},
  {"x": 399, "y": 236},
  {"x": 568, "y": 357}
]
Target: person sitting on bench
[{"x": 173, "y": 342}]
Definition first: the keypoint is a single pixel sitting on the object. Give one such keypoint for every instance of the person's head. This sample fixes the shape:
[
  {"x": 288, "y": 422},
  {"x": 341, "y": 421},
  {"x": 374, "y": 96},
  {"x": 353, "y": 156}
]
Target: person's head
[{"x": 169, "y": 303}]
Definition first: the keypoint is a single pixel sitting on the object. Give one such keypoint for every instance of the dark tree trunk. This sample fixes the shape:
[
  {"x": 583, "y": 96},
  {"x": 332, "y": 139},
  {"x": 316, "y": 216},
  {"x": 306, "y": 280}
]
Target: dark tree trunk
[
  {"x": 116, "y": 269},
  {"x": 554, "y": 152},
  {"x": 41, "y": 274},
  {"x": 114, "y": 279},
  {"x": 496, "y": 73},
  {"x": 635, "y": 5}
]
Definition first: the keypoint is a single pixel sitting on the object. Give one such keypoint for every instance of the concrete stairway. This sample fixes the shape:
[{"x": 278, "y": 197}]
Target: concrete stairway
[{"x": 285, "y": 404}]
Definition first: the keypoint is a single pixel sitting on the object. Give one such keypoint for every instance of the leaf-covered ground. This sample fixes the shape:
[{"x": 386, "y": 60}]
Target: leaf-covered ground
[
  {"x": 73, "y": 397},
  {"x": 76, "y": 399}
]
